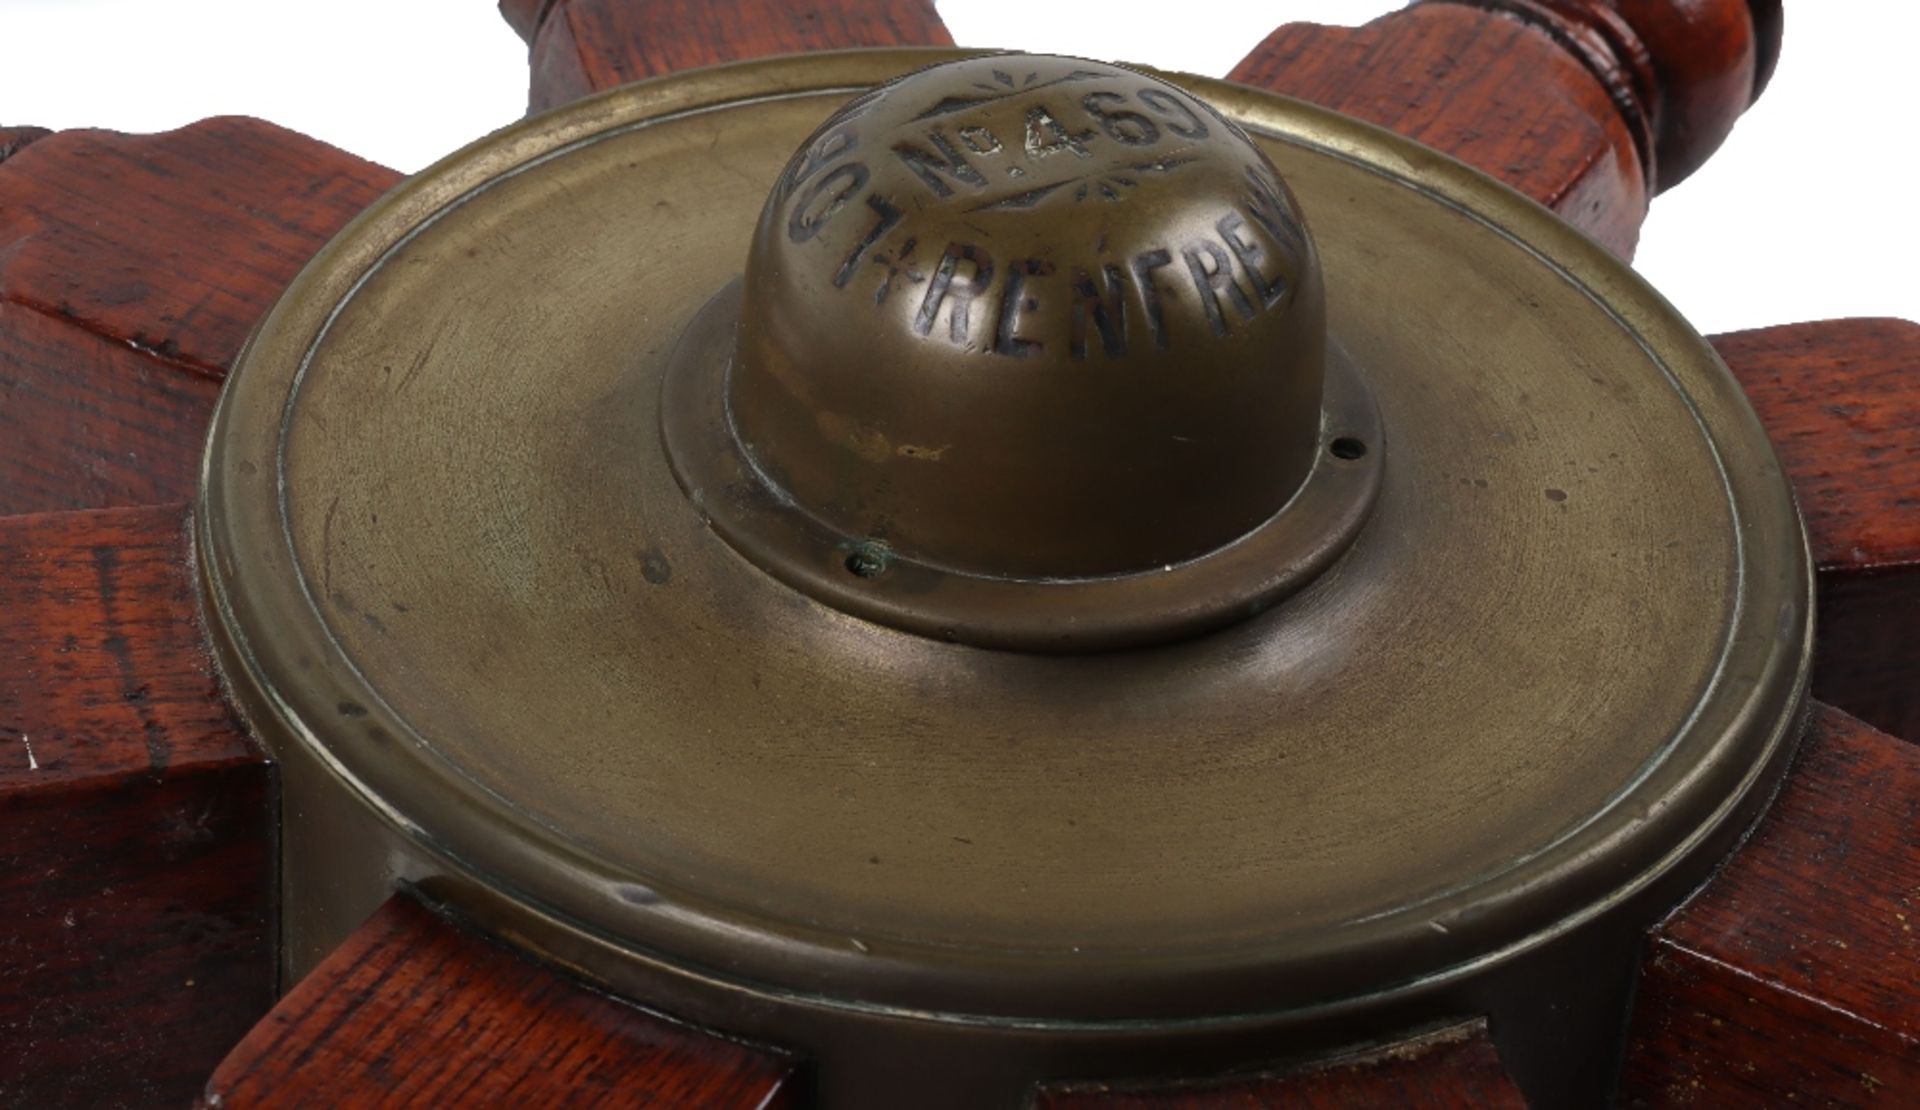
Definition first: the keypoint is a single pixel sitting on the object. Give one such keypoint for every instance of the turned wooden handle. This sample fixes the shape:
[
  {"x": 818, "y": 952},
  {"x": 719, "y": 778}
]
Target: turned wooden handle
[{"x": 1680, "y": 71}]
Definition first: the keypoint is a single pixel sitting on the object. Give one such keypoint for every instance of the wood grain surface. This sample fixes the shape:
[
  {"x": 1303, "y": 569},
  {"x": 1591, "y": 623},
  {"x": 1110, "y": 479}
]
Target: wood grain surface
[
  {"x": 137, "y": 862},
  {"x": 584, "y": 46},
  {"x": 1793, "y": 978},
  {"x": 1499, "y": 94},
  {"x": 413, "y": 1011},
  {"x": 131, "y": 270},
  {"x": 1581, "y": 104},
  {"x": 1841, "y": 402},
  {"x": 172, "y": 244},
  {"x": 1680, "y": 72},
  {"x": 87, "y": 422},
  {"x": 1455, "y": 1069},
  {"x": 14, "y": 139}
]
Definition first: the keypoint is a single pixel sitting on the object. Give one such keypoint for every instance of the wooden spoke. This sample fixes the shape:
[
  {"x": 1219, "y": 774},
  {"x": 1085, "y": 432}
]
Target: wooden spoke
[
  {"x": 1680, "y": 73},
  {"x": 86, "y": 422},
  {"x": 1580, "y": 104},
  {"x": 583, "y": 46},
  {"x": 1841, "y": 400},
  {"x": 1455, "y": 1068},
  {"x": 136, "y": 867},
  {"x": 1494, "y": 92},
  {"x": 13, "y": 139},
  {"x": 131, "y": 270},
  {"x": 173, "y": 244},
  {"x": 411, "y": 1011},
  {"x": 1792, "y": 978}
]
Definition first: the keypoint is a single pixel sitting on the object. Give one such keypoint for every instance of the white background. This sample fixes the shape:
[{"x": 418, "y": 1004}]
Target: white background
[{"x": 1808, "y": 212}]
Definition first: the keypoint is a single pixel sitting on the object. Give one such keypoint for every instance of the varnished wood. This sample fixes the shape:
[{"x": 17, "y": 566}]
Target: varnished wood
[
  {"x": 1680, "y": 72},
  {"x": 172, "y": 244},
  {"x": 1841, "y": 402},
  {"x": 1869, "y": 646},
  {"x": 1794, "y": 977},
  {"x": 1705, "y": 57},
  {"x": 106, "y": 668},
  {"x": 137, "y": 861},
  {"x": 583, "y": 46},
  {"x": 1569, "y": 100},
  {"x": 1768, "y": 23},
  {"x": 15, "y": 139},
  {"x": 87, "y": 422},
  {"x": 1458, "y": 1068},
  {"x": 1497, "y": 93},
  {"x": 524, "y": 16},
  {"x": 412, "y": 1011},
  {"x": 131, "y": 269}
]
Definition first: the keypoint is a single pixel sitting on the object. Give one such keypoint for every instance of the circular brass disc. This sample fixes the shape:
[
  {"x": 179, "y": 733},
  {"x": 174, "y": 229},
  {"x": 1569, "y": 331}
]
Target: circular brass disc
[{"x": 497, "y": 649}]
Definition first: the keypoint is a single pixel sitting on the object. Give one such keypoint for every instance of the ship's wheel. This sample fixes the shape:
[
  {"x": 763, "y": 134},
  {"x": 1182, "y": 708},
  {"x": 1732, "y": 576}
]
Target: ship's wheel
[{"x": 330, "y": 776}]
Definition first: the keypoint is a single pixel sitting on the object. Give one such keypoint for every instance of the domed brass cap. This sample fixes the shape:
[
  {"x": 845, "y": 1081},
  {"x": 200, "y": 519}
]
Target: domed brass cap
[
  {"x": 1032, "y": 316},
  {"x": 1015, "y": 324}
]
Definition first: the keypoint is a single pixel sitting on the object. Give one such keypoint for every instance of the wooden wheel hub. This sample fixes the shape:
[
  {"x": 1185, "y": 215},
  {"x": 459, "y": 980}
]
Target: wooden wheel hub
[{"x": 501, "y": 650}]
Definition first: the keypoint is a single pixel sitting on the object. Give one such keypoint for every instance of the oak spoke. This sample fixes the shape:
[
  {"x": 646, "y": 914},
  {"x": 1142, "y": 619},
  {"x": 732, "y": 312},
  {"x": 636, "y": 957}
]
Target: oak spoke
[
  {"x": 1583, "y": 105},
  {"x": 1792, "y": 976},
  {"x": 15, "y": 139},
  {"x": 476, "y": 1026},
  {"x": 1841, "y": 401},
  {"x": 175, "y": 243},
  {"x": 131, "y": 270},
  {"x": 86, "y": 422},
  {"x": 1494, "y": 92},
  {"x": 583, "y": 46},
  {"x": 137, "y": 862}
]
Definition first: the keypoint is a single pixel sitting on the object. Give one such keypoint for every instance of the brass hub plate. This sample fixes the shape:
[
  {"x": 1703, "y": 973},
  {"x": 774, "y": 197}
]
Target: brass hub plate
[{"x": 498, "y": 651}]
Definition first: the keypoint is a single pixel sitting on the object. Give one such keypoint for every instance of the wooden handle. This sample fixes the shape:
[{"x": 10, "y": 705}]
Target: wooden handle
[
  {"x": 1681, "y": 72},
  {"x": 1494, "y": 92}
]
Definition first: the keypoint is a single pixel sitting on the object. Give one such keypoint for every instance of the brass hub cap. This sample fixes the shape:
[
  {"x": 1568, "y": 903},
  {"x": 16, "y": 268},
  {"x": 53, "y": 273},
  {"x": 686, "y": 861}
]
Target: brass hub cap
[
  {"x": 1002, "y": 378},
  {"x": 528, "y": 514}
]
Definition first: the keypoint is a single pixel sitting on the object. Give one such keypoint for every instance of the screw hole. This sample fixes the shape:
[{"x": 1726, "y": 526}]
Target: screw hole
[
  {"x": 867, "y": 561},
  {"x": 1346, "y": 447}
]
